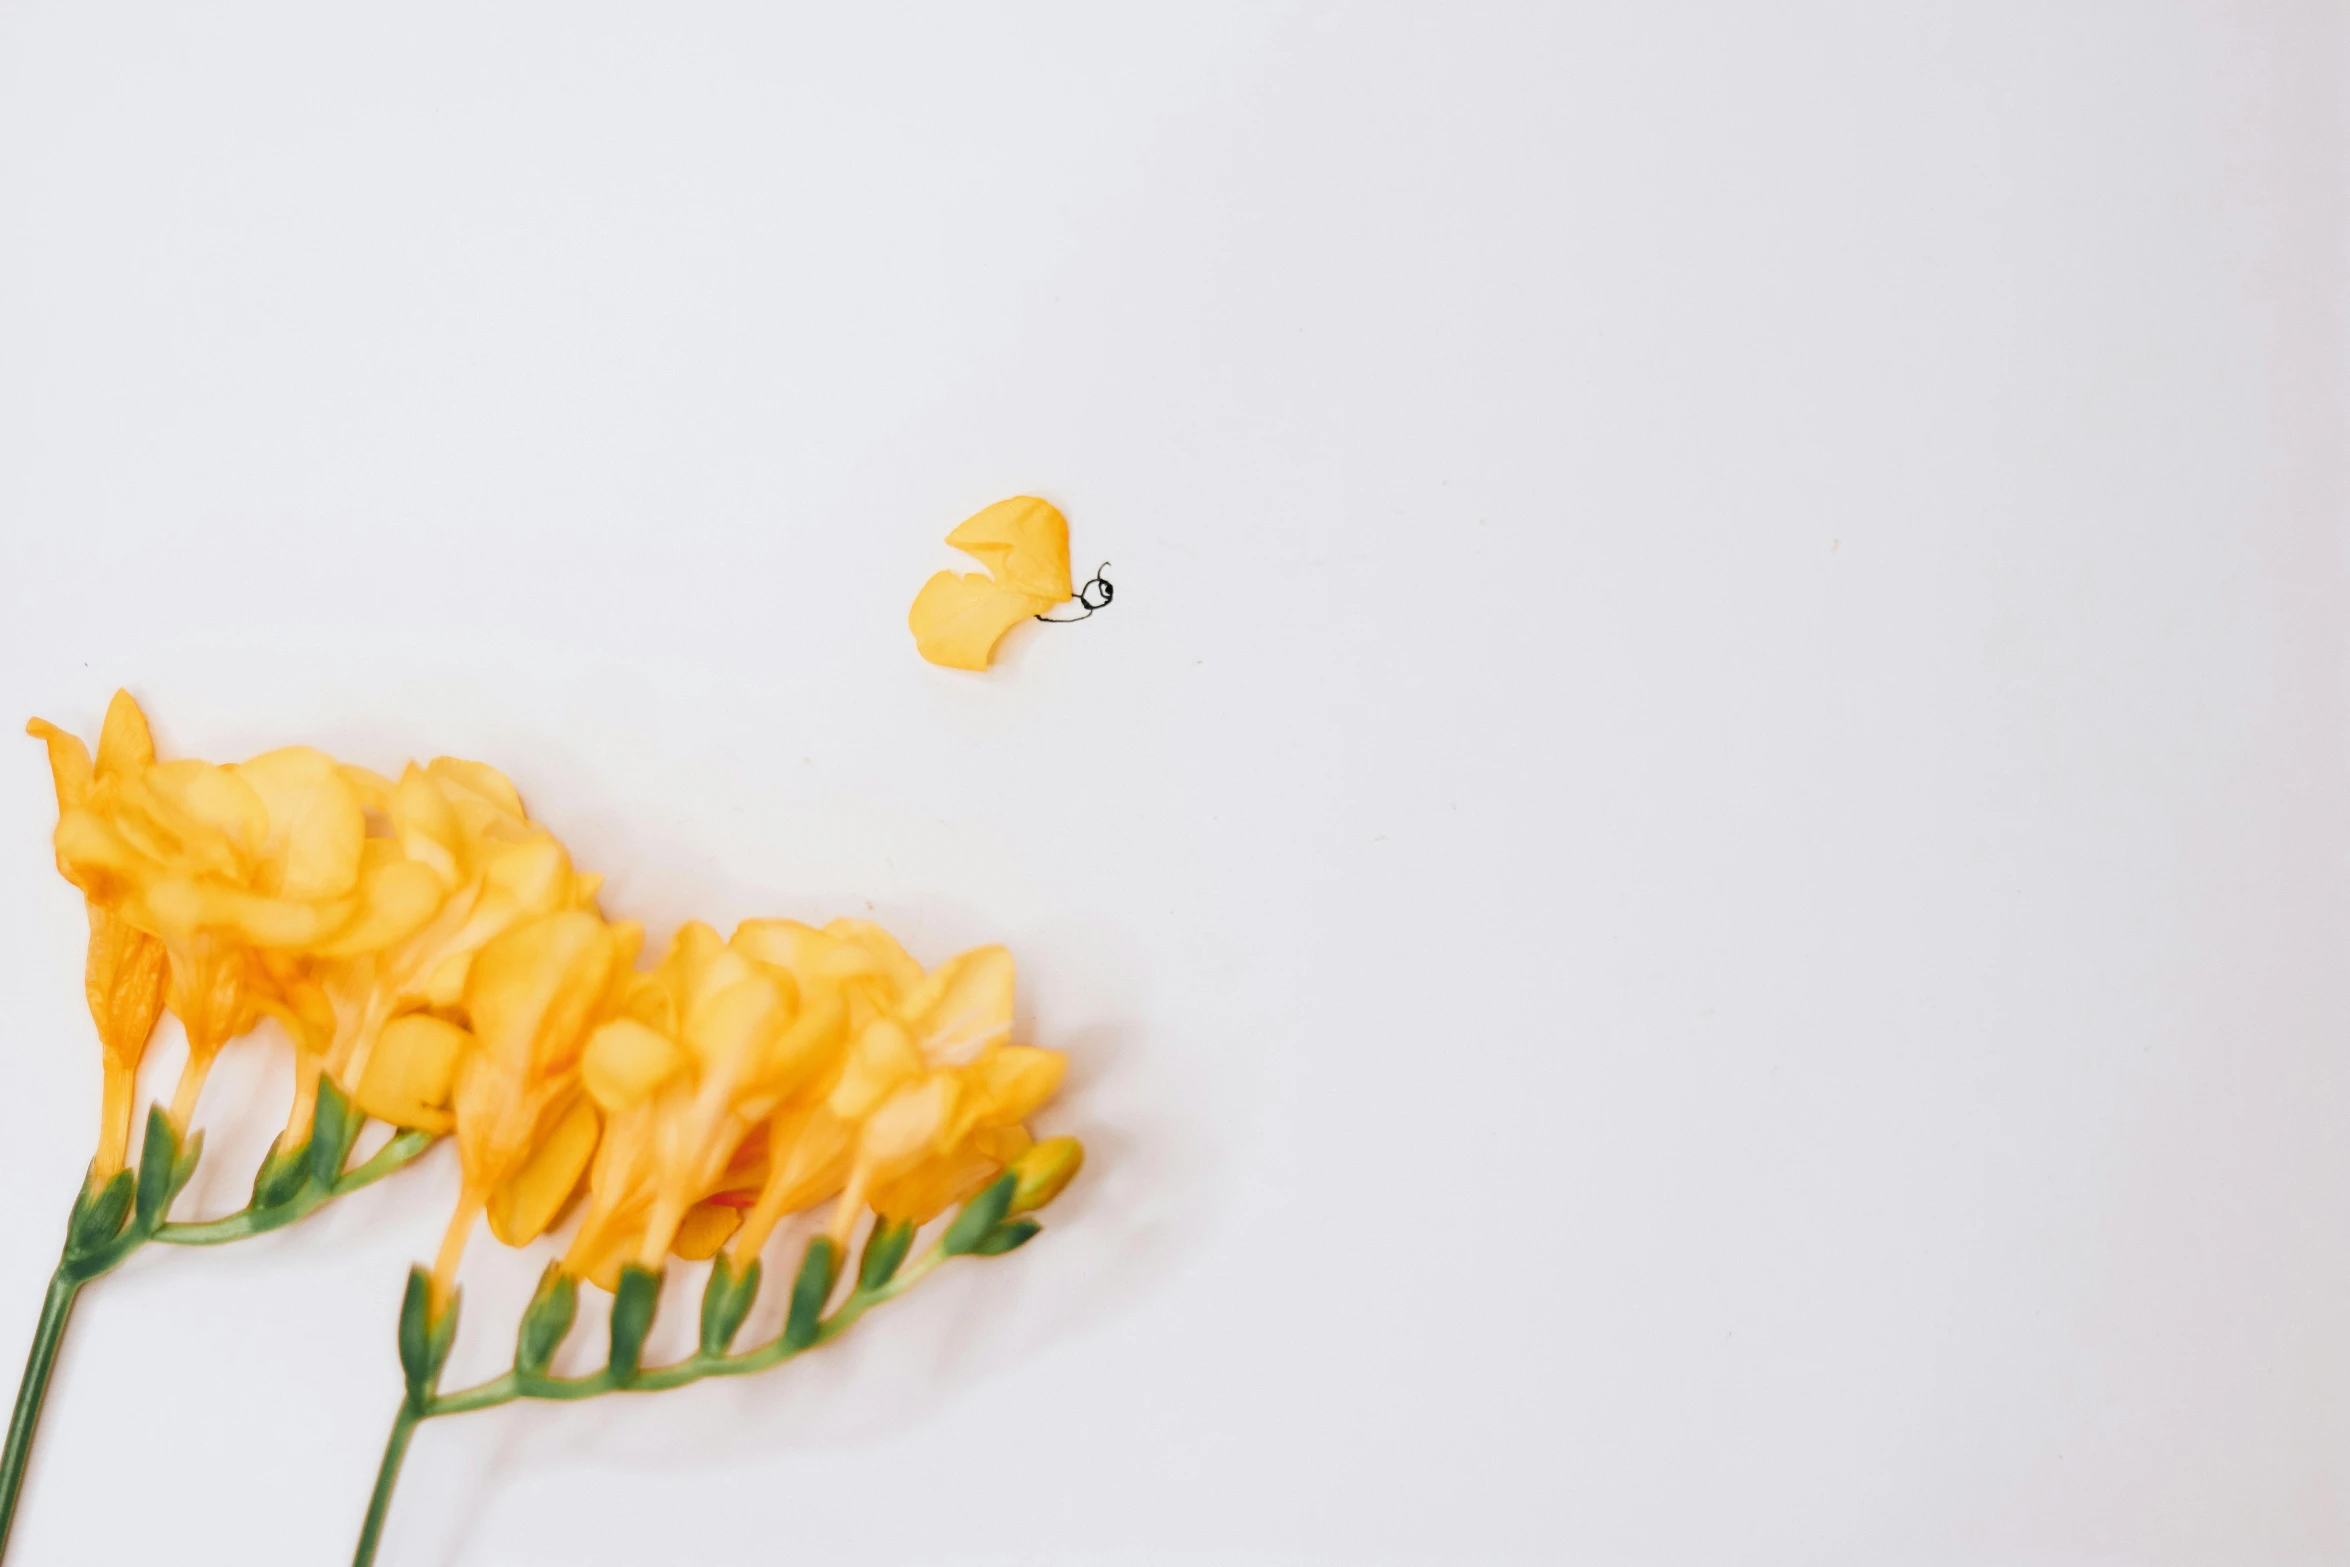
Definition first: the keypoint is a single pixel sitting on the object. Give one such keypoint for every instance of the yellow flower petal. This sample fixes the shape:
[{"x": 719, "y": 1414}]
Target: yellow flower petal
[
  {"x": 125, "y": 745},
  {"x": 704, "y": 1229},
  {"x": 478, "y": 778},
  {"x": 430, "y": 833},
  {"x": 183, "y": 907},
  {"x": 522, "y": 1209},
  {"x": 1016, "y": 1081},
  {"x": 932, "y": 1186},
  {"x": 410, "y": 1072},
  {"x": 879, "y": 952},
  {"x": 316, "y": 823},
  {"x": 532, "y": 990},
  {"x": 908, "y": 1125},
  {"x": 626, "y": 1061},
  {"x": 218, "y": 821},
  {"x": 69, "y": 763},
  {"x": 395, "y": 899},
  {"x": 958, "y": 620},
  {"x": 963, "y": 1007},
  {"x": 1023, "y": 543},
  {"x": 884, "y": 1056}
]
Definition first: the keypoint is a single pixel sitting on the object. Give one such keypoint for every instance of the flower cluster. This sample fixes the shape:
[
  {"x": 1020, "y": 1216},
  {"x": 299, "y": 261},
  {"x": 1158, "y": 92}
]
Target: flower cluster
[
  {"x": 432, "y": 952},
  {"x": 439, "y": 964}
]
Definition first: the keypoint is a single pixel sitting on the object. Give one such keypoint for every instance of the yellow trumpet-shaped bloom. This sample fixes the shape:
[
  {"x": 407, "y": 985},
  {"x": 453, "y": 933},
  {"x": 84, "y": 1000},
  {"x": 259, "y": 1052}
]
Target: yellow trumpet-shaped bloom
[
  {"x": 126, "y": 972},
  {"x": 525, "y": 1128},
  {"x": 926, "y": 1104},
  {"x": 957, "y": 620},
  {"x": 235, "y": 870},
  {"x": 710, "y": 1044},
  {"x": 473, "y": 864}
]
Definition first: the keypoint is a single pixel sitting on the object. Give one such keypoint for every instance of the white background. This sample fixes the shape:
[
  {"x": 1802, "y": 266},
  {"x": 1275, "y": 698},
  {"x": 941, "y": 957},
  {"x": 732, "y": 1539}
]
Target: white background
[{"x": 1696, "y": 884}]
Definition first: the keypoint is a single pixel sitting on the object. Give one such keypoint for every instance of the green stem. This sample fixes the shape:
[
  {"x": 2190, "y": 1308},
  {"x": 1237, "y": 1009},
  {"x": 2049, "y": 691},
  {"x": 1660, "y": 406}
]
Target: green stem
[
  {"x": 694, "y": 1368},
  {"x": 387, "y": 1475},
  {"x": 64, "y": 1285},
  {"x": 397, "y": 1154}
]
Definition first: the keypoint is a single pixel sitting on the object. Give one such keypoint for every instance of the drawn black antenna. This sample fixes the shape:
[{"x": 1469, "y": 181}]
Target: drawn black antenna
[{"x": 1094, "y": 595}]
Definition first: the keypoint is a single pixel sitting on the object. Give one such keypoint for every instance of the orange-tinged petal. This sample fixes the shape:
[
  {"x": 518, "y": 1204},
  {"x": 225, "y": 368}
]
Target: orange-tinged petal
[
  {"x": 69, "y": 763},
  {"x": 626, "y": 1062},
  {"x": 125, "y": 744},
  {"x": 522, "y": 1209},
  {"x": 410, "y": 1072},
  {"x": 124, "y": 980},
  {"x": 704, "y": 1229},
  {"x": 958, "y": 620},
  {"x": 1024, "y": 544}
]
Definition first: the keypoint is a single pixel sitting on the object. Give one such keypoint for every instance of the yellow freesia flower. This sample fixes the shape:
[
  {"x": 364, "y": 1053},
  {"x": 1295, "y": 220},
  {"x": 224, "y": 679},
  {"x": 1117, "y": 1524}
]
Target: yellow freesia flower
[
  {"x": 126, "y": 970},
  {"x": 525, "y": 1128},
  {"x": 233, "y": 869},
  {"x": 709, "y": 1045},
  {"x": 957, "y": 620},
  {"x": 476, "y": 865},
  {"x": 925, "y": 1106}
]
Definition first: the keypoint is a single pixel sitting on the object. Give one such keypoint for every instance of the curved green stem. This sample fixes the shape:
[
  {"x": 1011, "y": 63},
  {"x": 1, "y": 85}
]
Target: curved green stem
[
  {"x": 397, "y": 1154},
  {"x": 56, "y": 1307},
  {"x": 387, "y": 1475},
  {"x": 515, "y": 1385},
  {"x": 114, "y": 1218}
]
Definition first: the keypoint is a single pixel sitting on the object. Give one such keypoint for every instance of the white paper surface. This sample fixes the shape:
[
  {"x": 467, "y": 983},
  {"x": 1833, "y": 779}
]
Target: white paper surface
[{"x": 1696, "y": 883}]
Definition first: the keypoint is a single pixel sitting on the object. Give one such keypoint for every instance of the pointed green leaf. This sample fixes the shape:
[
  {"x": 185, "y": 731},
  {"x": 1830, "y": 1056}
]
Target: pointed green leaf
[
  {"x": 885, "y": 1252},
  {"x": 332, "y": 1127},
  {"x": 547, "y": 1321},
  {"x": 818, "y": 1268},
  {"x": 98, "y": 1213},
  {"x": 980, "y": 1215},
  {"x": 632, "y": 1318},
  {"x": 1010, "y": 1236},
  {"x": 280, "y": 1177},
  {"x": 726, "y": 1300},
  {"x": 158, "y": 1162},
  {"x": 416, "y": 1332}
]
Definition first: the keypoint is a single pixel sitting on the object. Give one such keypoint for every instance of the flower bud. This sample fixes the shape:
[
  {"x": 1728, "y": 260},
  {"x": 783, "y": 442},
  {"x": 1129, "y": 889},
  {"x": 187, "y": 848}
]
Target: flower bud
[{"x": 1043, "y": 1170}]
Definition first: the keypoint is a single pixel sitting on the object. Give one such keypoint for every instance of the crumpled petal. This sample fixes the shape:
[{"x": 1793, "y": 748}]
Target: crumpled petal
[
  {"x": 1023, "y": 543},
  {"x": 958, "y": 620}
]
